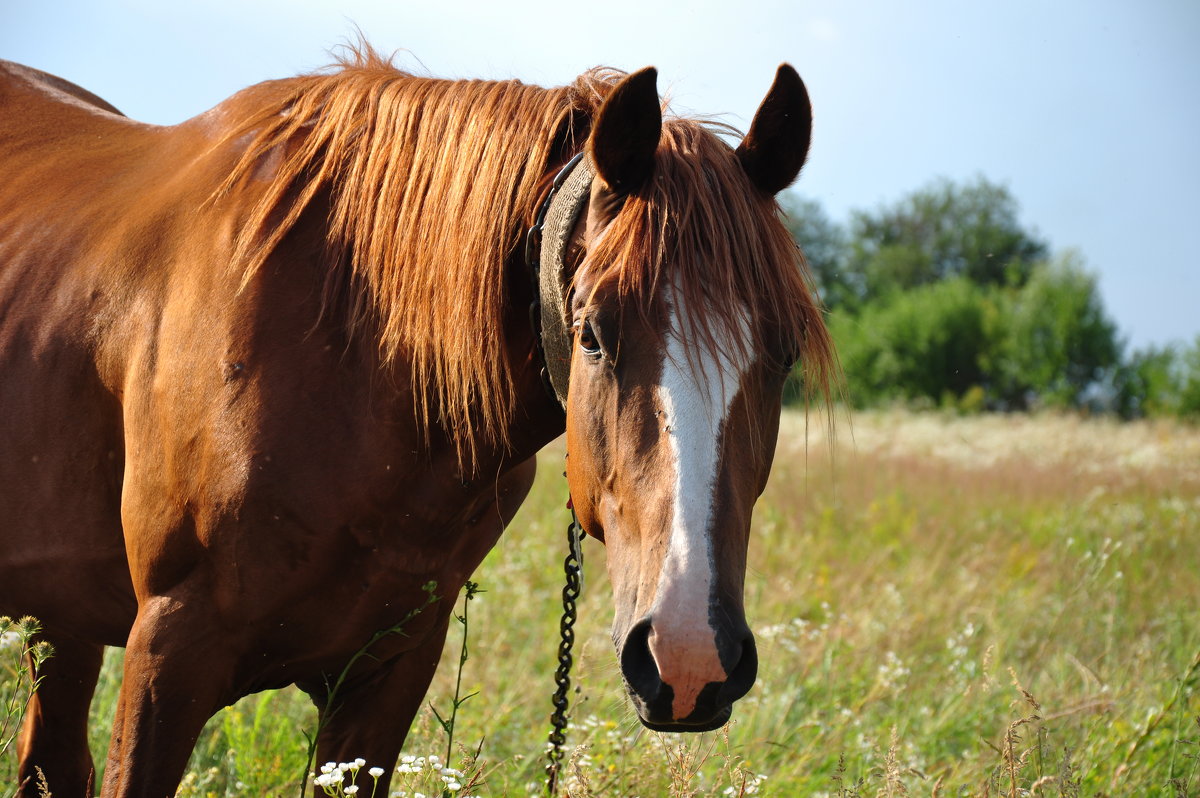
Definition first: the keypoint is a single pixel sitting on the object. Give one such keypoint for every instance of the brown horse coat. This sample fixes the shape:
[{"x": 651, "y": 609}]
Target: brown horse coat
[{"x": 263, "y": 375}]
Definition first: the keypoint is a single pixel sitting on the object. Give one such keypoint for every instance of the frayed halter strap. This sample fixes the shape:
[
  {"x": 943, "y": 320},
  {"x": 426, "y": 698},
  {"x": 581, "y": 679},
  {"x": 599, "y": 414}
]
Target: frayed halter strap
[{"x": 545, "y": 251}]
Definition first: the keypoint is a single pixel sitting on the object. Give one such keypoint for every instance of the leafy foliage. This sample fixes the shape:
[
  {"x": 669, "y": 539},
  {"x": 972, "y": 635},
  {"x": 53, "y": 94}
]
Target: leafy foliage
[
  {"x": 937, "y": 233},
  {"x": 824, "y": 244},
  {"x": 1160, "y": 381},
  {"x": 920, "y": 344},
  {"x": 1055, "y": 341},
  {"x": 944, "y": 298}
]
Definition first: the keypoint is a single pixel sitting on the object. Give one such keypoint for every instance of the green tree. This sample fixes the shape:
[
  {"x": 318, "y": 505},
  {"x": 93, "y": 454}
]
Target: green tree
[
  {"x": 1054, "y": 340},
  {"x": 1159, "y": 381},
  {"x": 1147, "y": 383},
  {"x": 941, "y": 231},
  {"x": 944, "y": 297},
  {"x": 1189, "y": 388},
  {"x": 824, "y": 244},
  {"x": 925, "y": 345}
]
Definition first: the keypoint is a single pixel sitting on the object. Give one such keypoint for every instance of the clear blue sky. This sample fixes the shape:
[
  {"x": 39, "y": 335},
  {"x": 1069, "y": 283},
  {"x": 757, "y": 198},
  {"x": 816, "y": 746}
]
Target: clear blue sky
[{"x": 1088, "y": 111}]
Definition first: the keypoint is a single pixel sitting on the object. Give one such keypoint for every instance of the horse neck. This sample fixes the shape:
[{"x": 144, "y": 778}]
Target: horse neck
[{"x": 538, "y": 418}]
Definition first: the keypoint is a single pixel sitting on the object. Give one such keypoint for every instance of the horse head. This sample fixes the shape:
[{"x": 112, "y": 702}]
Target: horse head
[{"x": 687, "y": 307}]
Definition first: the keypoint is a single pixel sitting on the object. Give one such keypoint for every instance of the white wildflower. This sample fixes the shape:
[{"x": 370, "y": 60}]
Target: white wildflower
[{"x": 893, "y": 671}]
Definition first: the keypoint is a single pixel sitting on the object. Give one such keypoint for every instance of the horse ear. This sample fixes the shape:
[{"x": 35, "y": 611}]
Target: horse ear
[
  {"x": 626, "y": 132},
  {"x": 777, "y": 144}
]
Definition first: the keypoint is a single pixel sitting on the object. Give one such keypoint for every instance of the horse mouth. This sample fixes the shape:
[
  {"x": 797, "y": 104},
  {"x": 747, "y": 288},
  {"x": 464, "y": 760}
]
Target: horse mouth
[
  {"x": 656, "y": 714},
  {"x": 688, "y": 725}
]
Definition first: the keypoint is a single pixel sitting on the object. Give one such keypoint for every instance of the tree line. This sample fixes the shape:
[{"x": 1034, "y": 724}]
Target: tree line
[{"x": 944, "y": 299}]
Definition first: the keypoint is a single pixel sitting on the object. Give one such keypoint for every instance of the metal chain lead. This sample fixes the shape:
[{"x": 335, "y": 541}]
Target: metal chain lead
[{"x": 573, "y": 566}]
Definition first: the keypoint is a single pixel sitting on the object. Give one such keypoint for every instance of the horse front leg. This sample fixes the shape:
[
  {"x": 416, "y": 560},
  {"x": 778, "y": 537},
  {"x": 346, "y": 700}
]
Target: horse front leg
[
  {"x": 369, "y": 717},
  {"x": 54, "y": 743},
  {"x": 176, "y": 676}
]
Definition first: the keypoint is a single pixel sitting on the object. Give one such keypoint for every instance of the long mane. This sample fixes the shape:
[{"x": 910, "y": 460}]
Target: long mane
[{"x": 430, "y": 183}]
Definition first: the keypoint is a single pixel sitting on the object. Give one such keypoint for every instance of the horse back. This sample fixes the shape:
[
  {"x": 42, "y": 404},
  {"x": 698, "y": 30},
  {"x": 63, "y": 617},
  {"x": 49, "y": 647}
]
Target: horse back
[{"x": 53, "y": 86}]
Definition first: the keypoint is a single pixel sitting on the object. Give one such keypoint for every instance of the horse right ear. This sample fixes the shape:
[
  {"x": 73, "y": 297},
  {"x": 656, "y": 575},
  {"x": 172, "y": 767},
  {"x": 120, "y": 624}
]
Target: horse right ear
[
  {"x": 777, "y": 144},
  {"x": 626, "y": 132}
]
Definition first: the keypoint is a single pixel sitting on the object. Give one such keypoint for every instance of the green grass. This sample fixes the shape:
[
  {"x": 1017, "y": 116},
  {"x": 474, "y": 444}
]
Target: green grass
[{"x": 944, "y": 606}]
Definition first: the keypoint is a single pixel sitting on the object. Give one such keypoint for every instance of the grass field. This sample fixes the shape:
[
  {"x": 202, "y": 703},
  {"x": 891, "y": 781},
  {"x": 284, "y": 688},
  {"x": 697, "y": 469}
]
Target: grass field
[{"x": 944, "y": 606}]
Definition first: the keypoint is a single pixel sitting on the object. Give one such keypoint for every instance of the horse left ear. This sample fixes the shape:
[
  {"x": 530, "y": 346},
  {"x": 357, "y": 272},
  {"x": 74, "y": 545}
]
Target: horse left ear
[
  {"x": 777, "y": 144},
  {"x": 626, "y": 132}
]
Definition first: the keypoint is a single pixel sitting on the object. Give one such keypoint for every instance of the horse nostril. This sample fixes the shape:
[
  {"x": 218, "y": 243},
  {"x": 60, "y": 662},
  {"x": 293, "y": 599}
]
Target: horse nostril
[
  {"x": 637, "y": 663},
  {"x": 744, "y": 671}
]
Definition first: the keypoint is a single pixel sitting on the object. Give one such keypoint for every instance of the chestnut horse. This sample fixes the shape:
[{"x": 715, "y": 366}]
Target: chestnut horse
[{"x": 269, "y": 372}]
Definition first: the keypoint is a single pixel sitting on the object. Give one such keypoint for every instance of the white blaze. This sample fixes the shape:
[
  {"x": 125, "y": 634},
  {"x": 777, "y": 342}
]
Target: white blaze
[{"x": 696, "y": 390}]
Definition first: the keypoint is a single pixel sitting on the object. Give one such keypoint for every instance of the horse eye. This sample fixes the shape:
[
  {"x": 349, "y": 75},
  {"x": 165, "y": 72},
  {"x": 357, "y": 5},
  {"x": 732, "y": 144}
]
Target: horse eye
[
  {"x": 587, "y": 339},
  {"x": 789, "y": 354}
]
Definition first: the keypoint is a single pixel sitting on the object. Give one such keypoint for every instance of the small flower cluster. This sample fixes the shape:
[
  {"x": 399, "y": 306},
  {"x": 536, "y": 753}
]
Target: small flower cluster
[
  {"x": 417, "y": 764},
  {"x": 794, "y": 634},
  {"x": 892, "y": 673},
  {"x": 962, "y": 666},
  {"x": 333, "y": 775},
  {"x": 411, "y": 768}
]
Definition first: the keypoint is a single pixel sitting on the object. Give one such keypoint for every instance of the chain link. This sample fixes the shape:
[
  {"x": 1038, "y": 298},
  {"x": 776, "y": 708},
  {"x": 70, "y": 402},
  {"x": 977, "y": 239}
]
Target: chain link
[{"x": 573, "y": 566}]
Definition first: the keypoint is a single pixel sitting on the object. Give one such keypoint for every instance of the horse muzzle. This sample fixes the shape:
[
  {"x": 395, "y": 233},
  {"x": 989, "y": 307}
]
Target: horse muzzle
[{"x": 686, "y": 680}]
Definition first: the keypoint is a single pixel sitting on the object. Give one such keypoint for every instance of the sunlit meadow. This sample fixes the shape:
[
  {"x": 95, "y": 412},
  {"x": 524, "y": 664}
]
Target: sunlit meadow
[{"x": 945, "y": 606}]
